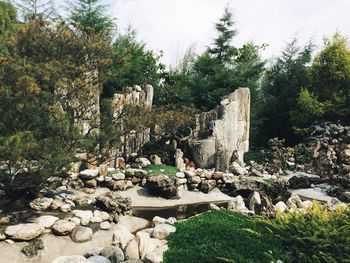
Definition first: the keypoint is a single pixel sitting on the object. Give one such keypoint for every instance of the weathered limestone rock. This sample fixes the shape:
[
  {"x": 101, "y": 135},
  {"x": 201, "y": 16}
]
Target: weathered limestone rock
[
  {"x": 24, "y": 232},
  {"x": 41, "y": 203},
  {"x": 133, "y": 141},
  {"x": 162, "y": 231},
  {"x": 222, "y": 135},
  {"x": 179, "y": 160},
  {"x": 162, "y": 185},
  {"x": 46, "y": 221},
  {"x": 63, "y": 227}
]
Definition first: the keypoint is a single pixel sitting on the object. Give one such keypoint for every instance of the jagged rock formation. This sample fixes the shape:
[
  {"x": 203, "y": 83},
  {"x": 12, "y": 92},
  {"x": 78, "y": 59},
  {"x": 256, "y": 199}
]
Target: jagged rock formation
[
  {"x": 133, "y": 142},
  {"x": 221, "y": 136}
]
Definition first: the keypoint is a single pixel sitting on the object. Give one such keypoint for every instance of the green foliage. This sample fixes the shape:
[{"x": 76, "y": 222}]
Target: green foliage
[
  {"x": 315, "y": 235},
  {"x": 312, "y": 235},
  {"x": 89, "y": 15},
  {"x": 330, "y": 74},
  {"x": 131, "y": 64},
  {"x": 46, "y": 72},
  {"x": 160, "y": 148},
  {"x": 259, "y": 156},
  {"x": 153, "y": 170},
  {"x": 280, "y": 88},
  {"x": 308, "y": 109},
  {"x": 8, "y": 24},
  {"x": 223, "y": 236}
]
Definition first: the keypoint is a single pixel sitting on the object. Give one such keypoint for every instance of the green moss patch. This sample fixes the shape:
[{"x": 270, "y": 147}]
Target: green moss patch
[{"x": 161, "y": 169}]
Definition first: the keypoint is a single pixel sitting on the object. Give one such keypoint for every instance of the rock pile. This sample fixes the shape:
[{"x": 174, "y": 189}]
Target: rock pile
[{"x": 146, "y": 245}]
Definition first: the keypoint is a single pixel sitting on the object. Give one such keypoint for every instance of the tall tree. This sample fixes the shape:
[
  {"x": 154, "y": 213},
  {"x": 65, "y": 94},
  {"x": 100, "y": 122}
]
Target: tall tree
[
  {"x": 90, "y": 15},
  {"x": 280, "y": 88},
  {"x": 222, "y": 50},
  {"x": 131, "y": 64},
  {"x": 8, "y": 24},
  {"x": 46, "y": 87},
  {"x": 330, "y": 74},
  {"x": 223, "y": 67}
]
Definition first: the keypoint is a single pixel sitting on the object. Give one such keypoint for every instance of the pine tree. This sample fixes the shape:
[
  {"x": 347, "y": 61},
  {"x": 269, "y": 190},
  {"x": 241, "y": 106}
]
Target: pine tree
[
  {"x": 89, "y": 15},
  {"x": 223, "y": 51}
]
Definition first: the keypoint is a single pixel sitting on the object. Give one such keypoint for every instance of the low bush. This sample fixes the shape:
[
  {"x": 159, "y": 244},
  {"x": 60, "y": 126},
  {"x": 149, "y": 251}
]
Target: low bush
[
  {"x": 223, "y": 236},
  {"x": 312, "y": 235}
]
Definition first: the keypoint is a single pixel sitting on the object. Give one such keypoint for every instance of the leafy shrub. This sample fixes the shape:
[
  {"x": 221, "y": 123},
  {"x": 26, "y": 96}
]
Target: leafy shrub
[
  {"x": 223, "y": 236},
  {"x": 257, "y": 156},
  {"x": 315, "y": 235},
  {"x": 159, "y": 148}
]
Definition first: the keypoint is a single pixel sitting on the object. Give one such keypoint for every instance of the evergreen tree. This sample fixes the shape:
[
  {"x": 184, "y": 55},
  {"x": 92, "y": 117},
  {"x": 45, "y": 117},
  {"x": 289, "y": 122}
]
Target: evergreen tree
[
  {"x": 89, "y": 15},
  {"x": 8, "y": 24},
  {"x": 131, "y": 64},
  {"x": 222, "y": 50},
  {"x": 330, "y": 74},
  {"x": 280, "y": 88}
]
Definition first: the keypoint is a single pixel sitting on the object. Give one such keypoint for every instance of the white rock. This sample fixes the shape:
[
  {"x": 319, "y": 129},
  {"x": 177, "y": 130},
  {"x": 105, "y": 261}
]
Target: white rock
[
  {"x": 63, "y": 227},
  {"x": 104, "y": 215},
  {"x": 157, "y": 220},
  {"x": 180, "y": 175},
  {"x": 280, "y": 207},
  {"x": 149, "y": 247},
  {"x": 105, "y": 225},
  {"x": 66, "y": 208},
  {"x": 70, "y": 259},
  {"x": 254, "y": 200},
  {"x": 46, "y": 221},
  {"x": 237, "y": 169},
  {"x": 132, "y": 250},
  {"x": 9, "y": 241},
  {"x": 84, "y": 216},
  {"x": 89, "y": 174},
  {"x": 306, "y": 204},
  {"x": 171, "y": 220},
  {"x": 143, "y": 162},
  {"x": 75, "y": 220},
  {"x": 122, "y": 236},
  {"x": 24, "y": 232},
  {"x": 163, "y": 231},
  {"x": 41, "y": 203},
  {"x": 237, "y": 205}
]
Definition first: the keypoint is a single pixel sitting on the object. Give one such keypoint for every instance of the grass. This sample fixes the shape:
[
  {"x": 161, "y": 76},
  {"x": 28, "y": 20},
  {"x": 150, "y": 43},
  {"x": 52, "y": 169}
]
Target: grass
[
  {"x": 308, "y": 236},
  {"x": 153, "y": 170},
  {"x": 223, "y": 236}
]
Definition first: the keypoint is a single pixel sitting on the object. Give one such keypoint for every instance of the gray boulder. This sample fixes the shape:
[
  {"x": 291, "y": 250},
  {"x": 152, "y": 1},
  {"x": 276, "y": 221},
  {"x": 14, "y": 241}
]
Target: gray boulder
[
  {"x": 118, "y": 256},
  {"x": 98, "y": 259},
  {"x": 162, "y": 185},
  {"x": 81, "y": 234}
]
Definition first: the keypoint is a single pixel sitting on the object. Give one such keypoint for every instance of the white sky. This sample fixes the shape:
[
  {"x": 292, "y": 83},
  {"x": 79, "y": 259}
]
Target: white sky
[{"x": 175, "y": 25}]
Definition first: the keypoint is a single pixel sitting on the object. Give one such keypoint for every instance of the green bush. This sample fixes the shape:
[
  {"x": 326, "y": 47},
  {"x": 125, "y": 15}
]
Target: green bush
[
  {"x": 223, "y": 236},
  {"x": 312, "y": 235},
  {"x": 315, "y": 235}
]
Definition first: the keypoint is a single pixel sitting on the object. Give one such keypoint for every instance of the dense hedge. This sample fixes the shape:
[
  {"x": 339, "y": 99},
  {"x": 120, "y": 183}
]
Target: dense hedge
[{"x": 313, "y": 235}]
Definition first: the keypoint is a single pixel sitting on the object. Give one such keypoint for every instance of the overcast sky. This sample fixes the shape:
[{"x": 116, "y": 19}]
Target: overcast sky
[{"x": 175, "y": 25}]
